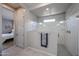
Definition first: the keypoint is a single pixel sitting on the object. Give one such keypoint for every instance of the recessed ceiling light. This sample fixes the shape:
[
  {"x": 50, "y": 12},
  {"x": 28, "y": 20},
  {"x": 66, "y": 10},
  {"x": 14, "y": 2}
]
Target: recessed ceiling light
[
  {"x": 50, "y": 20},
  {"x": 47, "y": 8},
  {"x": 61, "y": 22}
]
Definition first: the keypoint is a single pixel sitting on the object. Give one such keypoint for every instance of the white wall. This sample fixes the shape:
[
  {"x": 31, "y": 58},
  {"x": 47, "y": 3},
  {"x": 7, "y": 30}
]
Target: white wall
[
  {"x": 51, "y": 28},
  {"x": 59, "y": 27},
  {"x": 61, "y": 31},
  {"x": 71, "y": 39},
  {"x": 30, "y": 25}
]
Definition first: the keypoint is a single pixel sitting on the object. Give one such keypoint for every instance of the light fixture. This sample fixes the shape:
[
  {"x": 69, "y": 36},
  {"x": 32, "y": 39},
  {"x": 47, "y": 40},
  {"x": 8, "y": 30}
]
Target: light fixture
[
  {"x": 47, "y": 8},
  {"x": 50, "y": 20},
  {"x": 61, "y": 22}
]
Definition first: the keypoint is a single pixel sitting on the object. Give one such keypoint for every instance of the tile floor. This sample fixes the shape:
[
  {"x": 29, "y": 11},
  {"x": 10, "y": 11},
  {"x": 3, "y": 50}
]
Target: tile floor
[
  {"x": 11, "y": 50},
  {"x": 62, "y": 51},
  {"x": 16, "y": 51}
]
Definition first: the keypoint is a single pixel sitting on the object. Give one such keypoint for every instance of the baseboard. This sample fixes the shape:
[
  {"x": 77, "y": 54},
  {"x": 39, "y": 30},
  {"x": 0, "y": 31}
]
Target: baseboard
[{"x": 49, "y": 54}]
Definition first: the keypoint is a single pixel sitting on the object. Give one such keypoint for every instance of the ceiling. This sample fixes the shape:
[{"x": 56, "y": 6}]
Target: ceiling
[
  {"x": 39, "y": 9},
  {"x": 32, "y": 6},
  {"x": 15, "y": 6}
]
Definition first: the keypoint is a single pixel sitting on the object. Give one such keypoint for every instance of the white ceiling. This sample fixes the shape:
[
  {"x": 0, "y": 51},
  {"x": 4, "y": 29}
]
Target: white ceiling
[
  {"x": 32, "y": 6},
  {"x": 39, "y": 9}
]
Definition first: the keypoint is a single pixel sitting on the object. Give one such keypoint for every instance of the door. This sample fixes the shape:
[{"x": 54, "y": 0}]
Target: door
[{"x": 19, "y": 28}]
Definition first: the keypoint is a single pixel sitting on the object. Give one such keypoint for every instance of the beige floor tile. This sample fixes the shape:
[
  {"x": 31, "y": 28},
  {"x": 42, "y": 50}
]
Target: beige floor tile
[{"x": 16, "y": 51}]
